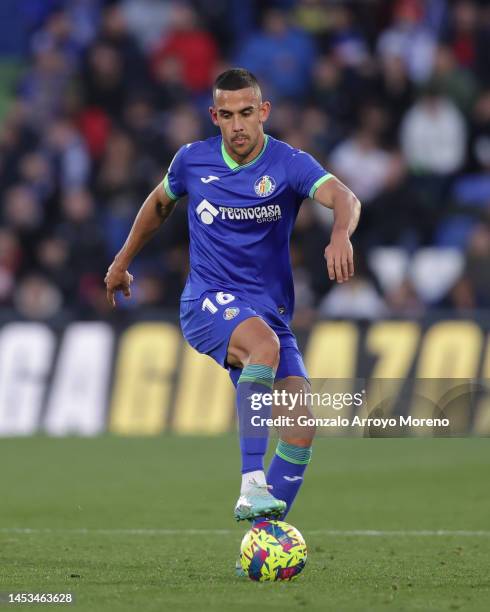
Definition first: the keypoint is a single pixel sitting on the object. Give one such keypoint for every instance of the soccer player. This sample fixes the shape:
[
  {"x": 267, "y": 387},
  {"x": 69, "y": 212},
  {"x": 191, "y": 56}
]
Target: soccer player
[{"x": 245, "y": 189}]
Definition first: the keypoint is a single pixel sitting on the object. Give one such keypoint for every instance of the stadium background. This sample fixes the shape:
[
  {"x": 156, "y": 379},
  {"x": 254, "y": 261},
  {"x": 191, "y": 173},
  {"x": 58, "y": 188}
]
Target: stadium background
[{"x": 95, "y": 98}]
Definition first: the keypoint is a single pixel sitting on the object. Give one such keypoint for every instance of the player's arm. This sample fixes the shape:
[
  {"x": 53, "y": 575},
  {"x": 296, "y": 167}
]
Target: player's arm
[
  {"x": 154, "y": 211},
  {"x": 347, "y": 208}
]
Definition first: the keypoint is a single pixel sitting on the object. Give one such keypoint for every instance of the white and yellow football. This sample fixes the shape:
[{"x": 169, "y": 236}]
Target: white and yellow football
[{"x": 273, "y": 550}]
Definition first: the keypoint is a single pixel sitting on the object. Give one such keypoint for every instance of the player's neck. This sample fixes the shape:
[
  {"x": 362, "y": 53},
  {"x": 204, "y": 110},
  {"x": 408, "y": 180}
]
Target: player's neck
[{"x": 255, "y": 152}]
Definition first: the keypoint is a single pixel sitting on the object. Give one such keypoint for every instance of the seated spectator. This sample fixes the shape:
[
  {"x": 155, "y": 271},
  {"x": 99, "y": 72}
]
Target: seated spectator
[
  {"x": 35, "y": 298},
  {"x": 336, "y": 91},
  {"x": 147, "y": 20},
  {"x": 409, "y": 39},
  {"x": 480, "y": 133},
  {"x": 357, "y": 299},
  {"x": 23, "y": 213},
  {"x": 347, "y": 41},
  {"x": 461, "y": 35},
  {"x": 453, "y": 82},
  {"x": 68, "y": 153},
  {"x": 403, "y": 301},
  {"x": 104, "y": 83},
  {"x": 45, "y": 84},
  {"x": 290, "y": 55},
  {"x": 10, "y": 263},
  {"x": 362, "y": 164},
  {"x": 393, "y": 87},
  {"x": 433, "y": 135},
  {"x": 473, "y": 290},
  {"x": 53, "y": 257},
  {"x": 191, "y": 46},
  {"x": 114, "y": 32},
  {"x": 168, "y": 88}
]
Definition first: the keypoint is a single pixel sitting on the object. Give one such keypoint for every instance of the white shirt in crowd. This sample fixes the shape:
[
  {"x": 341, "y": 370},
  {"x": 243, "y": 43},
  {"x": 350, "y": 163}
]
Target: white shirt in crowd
[
  {"x": 433, "y": 136},
  {"x": 364, "y": 167},
  {"x": 357, "y": 299}
]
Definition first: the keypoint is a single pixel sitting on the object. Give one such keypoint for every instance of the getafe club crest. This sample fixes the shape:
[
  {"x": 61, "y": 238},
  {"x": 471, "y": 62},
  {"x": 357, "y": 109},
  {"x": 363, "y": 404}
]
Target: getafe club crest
[
  {"x": 230, "y": 313},
  {"x": 264, "y": 186}
]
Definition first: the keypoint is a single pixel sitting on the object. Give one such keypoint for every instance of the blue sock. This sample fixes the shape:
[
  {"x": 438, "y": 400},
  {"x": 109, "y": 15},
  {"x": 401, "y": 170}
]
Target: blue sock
[
  {"x": 286, "y": 471},
  {"x": 254, "y": 381}
]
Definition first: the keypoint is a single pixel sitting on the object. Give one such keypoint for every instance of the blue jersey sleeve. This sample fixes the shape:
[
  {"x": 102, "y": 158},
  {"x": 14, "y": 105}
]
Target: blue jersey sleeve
[
  {"x": 174, "y": 182},
  {"x": 305, "y": 174}
]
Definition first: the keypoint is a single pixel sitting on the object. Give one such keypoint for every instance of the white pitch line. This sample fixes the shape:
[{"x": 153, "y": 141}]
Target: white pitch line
[
  {"x": 400, "y": 533},
  {"x": 170, "y": 532}
]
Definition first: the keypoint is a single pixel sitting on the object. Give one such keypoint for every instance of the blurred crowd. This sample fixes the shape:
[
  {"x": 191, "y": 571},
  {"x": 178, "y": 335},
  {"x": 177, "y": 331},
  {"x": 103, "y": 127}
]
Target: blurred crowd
[{"x": 391, "y": 96}]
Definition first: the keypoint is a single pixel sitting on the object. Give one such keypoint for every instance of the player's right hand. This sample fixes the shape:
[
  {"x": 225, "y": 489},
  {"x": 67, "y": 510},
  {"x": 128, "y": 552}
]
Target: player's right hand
[{"x": 117, "y": 279}]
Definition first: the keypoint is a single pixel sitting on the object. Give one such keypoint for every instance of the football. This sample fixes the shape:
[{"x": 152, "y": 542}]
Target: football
[{"x": 273, "y": 550}]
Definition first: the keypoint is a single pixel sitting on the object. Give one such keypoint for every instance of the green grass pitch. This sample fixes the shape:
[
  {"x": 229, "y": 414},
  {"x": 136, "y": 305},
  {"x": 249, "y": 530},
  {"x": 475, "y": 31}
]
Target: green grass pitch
[{"x": 91, "y": 506}]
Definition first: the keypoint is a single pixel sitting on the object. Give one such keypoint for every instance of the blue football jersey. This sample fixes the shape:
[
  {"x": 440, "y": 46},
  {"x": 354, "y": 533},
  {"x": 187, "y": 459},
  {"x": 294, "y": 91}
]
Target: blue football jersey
[{"x": 241, "y": 218}]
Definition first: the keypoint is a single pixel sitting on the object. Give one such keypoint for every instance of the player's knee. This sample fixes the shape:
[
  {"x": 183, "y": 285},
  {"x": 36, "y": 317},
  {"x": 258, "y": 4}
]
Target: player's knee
[
  {"x": 266, "y": 350},
  {"x": 304, "y": 439},
  {"x": 301, "y": 433},
  {"x": 308, "y": 432}
]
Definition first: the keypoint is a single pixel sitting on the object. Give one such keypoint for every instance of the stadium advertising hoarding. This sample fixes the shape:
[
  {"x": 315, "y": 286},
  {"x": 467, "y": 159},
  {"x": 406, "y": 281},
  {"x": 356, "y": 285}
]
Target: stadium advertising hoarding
[{"x": 387, "y": 378}]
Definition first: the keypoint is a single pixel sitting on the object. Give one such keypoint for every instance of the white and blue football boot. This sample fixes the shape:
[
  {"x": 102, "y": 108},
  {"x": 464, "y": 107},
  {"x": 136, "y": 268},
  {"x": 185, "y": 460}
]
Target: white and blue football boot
[{"x": 258, "y": 502}]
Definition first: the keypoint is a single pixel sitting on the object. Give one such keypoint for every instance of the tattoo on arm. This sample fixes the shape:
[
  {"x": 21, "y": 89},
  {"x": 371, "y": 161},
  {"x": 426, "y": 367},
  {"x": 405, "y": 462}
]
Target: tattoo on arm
[{"x": 164, "y": 210}]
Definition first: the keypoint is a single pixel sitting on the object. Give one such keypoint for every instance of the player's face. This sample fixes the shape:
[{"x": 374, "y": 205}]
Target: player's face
[{"x": 240, "y": 116}]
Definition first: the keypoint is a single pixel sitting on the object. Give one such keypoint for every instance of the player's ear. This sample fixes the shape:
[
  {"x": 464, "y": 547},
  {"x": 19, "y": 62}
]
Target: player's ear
[
  {"x": 264, "y": 111},
  {"x": 214, "y": 115}
]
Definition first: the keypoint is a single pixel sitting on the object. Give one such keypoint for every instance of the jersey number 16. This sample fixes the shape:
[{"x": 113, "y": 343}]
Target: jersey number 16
[{"x": 222, "y": 299}]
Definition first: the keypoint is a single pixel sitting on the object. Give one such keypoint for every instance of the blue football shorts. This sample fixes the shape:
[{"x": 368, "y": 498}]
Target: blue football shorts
[{"x": 208, "y": 322}]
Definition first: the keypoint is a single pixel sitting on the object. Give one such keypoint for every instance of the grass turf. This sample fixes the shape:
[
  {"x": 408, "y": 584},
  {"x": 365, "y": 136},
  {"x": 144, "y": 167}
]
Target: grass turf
[{"x": 111, "y": 485}]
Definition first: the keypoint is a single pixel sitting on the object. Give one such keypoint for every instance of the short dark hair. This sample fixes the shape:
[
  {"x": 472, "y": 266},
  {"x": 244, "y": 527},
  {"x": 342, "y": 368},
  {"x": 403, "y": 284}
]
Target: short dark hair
[{"x": 236, "y": 78}]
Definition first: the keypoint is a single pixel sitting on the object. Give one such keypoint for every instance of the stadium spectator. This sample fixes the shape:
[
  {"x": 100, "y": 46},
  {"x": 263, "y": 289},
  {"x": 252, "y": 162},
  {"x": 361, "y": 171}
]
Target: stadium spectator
[
  {"x": 104, "y": 83},
  {"x": 363, "y": 164},
  {"x": 23, "y": 212},
  {"x": 347, "y": 42},
  {"x": 409, "y": 39},
  {"x": 480, "y": 132},
  {"x": 467, "y": 35},
  {"x": 10, "y": 263},
  {"x": 148, "y": 21},
  {"x": 114, "y": 32},
  {"x": 68, "y": 153},
  {"x": 335, "y": 91},
  {"x": 453, "y": 82},
  {"x": 45, "y": 85},
  {"x": 394, "y": 98},
  {"x": 403, "y": 301},
  {"x": 358, "y": 299},
  {"x": 290, "y": 56},
  {"x": 53, "y": 255},
  {"x": 192, "y": 47},
  {"x": 393, "y": 88},
  {"x": 35, "y": 298},
  {"x": 473, "y": 290},
  {"x": 433, "y": 135}
]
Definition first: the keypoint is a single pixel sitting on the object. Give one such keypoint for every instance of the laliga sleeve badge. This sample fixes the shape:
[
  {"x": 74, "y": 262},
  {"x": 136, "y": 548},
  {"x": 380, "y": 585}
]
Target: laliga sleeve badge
[{"x": 230, "y": 313}]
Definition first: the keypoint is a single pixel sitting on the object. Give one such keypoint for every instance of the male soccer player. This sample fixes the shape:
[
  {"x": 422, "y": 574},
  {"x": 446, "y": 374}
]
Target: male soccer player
[{"x": 245, "y": 189}]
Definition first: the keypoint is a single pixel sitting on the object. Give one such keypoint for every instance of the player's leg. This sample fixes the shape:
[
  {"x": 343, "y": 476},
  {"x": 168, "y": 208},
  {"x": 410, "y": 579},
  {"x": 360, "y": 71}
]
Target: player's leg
[
  {"x": 293, "y": 451},
  {"x": 254, "y": 347},
  {"x": 230, "y": 331}
]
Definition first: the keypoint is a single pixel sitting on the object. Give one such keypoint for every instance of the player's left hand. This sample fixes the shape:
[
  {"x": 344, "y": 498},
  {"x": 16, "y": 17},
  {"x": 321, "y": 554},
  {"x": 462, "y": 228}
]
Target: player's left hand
[
  {"x": 340, "y": 257},
  {"x": 117, "y": 279}
]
